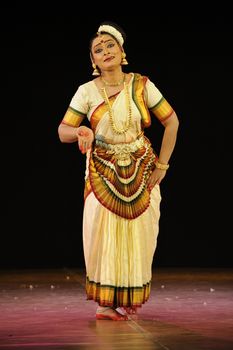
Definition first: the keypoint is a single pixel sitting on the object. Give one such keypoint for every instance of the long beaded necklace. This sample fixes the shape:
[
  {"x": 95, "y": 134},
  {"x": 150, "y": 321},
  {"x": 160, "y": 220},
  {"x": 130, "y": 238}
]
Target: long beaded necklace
[{"x": 110, "y": 111}]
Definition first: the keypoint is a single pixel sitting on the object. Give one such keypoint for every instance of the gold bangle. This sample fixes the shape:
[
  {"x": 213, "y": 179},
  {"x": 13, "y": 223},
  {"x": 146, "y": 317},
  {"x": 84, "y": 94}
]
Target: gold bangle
[{"x": 161, "y": 165}]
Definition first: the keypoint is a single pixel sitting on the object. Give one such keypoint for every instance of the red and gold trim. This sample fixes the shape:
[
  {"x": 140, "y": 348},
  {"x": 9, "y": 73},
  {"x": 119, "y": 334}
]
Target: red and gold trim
[
  {"x": 162, "y": 110},
  {"x": 139, "y": 83},
  {"x": 87, "y": 189},
  {"x": 73, "y": 117},
  {"x": 106, "y": 295},
  {"x": 120, "y": 188},
  {"x": 100, "y": 111}
]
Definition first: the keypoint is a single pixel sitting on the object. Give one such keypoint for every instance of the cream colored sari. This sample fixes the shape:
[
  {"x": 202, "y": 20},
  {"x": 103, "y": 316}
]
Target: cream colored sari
[{"x": 121, "y": 216}]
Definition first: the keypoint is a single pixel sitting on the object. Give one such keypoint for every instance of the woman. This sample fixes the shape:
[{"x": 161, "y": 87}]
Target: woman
[{"x": 123, "y": 174}]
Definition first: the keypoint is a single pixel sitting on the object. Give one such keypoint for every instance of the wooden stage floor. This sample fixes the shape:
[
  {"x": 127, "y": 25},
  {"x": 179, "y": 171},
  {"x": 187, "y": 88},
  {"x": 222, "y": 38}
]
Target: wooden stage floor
[{"x": 189, "y": 309}]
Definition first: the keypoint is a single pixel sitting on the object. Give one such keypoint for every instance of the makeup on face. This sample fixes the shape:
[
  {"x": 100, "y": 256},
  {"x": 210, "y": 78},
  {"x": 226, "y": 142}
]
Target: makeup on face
[{"x": 102, "y": 43}]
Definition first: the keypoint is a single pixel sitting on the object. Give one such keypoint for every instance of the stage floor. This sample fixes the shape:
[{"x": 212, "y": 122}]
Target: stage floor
[{"x": 188, "y": 309}]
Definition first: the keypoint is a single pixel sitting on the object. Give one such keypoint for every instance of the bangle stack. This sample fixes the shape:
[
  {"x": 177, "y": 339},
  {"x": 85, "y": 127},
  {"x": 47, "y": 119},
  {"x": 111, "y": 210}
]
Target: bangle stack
[{"x": 161, "y": 165}]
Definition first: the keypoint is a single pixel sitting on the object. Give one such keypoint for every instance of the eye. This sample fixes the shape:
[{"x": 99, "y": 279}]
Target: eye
[
  {"x": 111, "y": 45},
  {"x": 98, "y": 50}
]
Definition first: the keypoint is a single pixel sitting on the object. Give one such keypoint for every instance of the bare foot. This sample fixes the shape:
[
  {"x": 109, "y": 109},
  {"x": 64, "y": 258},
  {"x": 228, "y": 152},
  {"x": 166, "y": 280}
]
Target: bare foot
[
  {"x": 131, "y": 310},
  {"x": 110, "y": 314}
]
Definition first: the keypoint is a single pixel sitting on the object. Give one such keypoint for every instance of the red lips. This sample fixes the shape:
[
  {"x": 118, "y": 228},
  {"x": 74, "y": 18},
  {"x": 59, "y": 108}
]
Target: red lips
[{"x": 108, "y": 59}]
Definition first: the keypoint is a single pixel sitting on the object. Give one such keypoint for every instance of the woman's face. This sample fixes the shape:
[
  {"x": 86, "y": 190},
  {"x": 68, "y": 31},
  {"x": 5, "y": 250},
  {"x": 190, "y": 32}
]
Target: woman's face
[{"x": 106, "y": 52}]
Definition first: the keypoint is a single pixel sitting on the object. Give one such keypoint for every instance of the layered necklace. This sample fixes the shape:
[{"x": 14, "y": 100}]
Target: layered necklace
[{"x": 115, "y": 129}]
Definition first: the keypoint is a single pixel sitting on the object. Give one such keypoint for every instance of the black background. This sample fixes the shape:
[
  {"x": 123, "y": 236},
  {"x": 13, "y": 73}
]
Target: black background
[{"x": 45, "y": 57}]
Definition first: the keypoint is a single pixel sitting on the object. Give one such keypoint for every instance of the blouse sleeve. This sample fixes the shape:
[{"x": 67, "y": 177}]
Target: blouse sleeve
[
  {"x": 156, "y": 103},
  {"x": 77, "y": 109}
]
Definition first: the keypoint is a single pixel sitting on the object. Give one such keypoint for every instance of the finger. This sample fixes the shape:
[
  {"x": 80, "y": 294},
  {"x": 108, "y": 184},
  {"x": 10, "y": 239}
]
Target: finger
[
  {"x": 150, "y": 186},
  {"x": 80, "y": 145},
  {"x": 89, "y": 144},
  {"x": 84, "y": 147}
]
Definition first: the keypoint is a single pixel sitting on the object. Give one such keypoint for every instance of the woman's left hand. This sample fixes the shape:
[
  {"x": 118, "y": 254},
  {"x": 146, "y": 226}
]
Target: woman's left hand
[{"x": 155, "y": 179}]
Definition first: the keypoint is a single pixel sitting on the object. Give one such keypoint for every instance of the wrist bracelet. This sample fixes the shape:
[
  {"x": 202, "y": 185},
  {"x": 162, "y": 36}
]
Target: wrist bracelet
[{"x": 161, "y": 165}]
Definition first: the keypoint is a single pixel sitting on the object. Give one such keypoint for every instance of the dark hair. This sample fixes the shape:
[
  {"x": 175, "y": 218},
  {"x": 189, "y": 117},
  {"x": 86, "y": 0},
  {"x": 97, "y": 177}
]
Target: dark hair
[{"x": 112, "y": 24}]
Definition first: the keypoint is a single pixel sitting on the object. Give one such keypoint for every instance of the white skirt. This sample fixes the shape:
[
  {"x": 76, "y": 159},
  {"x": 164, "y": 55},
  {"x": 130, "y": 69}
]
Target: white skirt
[{"x": 119, "y": 252}]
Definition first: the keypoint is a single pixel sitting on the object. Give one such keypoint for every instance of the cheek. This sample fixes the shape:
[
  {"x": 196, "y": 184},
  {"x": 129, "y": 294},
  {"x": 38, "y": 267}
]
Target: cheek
[
  {"x": 96, "y": 58},
  {"x": 119, "y": 55},
  {"x": 117, "y": 51}
]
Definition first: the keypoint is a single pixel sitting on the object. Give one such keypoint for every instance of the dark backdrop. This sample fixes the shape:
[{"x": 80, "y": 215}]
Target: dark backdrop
[{"x": 46, "y": 57}]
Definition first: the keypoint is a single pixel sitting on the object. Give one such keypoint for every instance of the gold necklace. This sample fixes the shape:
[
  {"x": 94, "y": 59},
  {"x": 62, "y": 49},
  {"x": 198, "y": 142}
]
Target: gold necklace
[
  {"x": 106, "y": 83},
  {"x": 110, "y": 111}
]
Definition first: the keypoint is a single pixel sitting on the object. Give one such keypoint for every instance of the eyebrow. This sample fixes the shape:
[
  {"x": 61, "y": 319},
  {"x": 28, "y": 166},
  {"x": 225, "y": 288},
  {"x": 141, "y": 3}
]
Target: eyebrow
[{"x": 103, "y": 41}]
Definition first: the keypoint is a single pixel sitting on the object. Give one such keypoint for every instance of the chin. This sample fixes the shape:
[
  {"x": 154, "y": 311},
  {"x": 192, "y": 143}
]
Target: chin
[{"x": 112, "y": 66}]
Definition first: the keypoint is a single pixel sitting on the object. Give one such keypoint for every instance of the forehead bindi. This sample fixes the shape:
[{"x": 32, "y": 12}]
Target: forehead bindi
[{"x": 102, "y": 39}]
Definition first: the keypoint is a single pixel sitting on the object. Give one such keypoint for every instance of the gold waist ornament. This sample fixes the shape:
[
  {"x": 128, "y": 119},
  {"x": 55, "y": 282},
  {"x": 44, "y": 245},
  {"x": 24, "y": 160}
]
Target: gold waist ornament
[{"x": 122, "y": 151}]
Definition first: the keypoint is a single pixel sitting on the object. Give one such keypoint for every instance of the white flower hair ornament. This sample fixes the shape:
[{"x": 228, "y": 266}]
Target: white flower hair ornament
[{"x": 113, "y": 31}]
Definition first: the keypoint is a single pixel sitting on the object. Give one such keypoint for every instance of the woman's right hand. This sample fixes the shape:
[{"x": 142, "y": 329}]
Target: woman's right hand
[{"x": 85, "y": 138}]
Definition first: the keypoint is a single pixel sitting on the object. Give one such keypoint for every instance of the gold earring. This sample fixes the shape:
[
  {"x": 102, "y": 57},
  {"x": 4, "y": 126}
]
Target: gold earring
[
  {"x": 124, "y": 61},
  {"x": 95, "y": 72}
]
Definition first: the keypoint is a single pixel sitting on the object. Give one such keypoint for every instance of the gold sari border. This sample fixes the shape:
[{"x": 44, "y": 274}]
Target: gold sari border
[
  {"x": 109, "y": 295},
  {"x": 73, "y": 117},
  {"x": 139, "y": 83},
  {"x": 162, "y": 110}
]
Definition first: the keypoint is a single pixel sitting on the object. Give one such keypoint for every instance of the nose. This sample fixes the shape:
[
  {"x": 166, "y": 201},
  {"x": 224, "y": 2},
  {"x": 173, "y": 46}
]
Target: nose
[{"x": 106, "y": 51}]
